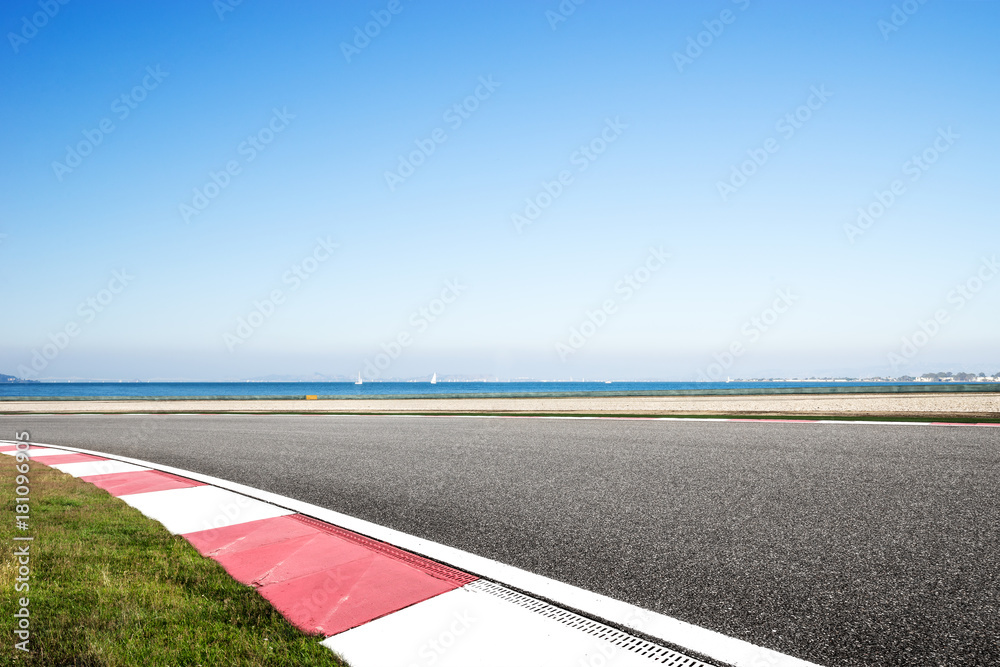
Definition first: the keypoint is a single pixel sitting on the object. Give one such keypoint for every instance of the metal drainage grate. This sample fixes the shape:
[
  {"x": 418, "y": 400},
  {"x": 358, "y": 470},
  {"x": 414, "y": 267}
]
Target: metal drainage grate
[{"x": 647, "y": 649}]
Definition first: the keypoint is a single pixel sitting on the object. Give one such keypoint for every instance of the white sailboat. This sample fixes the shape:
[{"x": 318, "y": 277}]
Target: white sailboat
[
  {"x": 434, "y": 379},
  {"x": 359, "y": 378}
]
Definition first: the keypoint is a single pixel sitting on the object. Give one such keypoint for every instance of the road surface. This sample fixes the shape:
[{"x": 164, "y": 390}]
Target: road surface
[{"x": 843, "y": 544}]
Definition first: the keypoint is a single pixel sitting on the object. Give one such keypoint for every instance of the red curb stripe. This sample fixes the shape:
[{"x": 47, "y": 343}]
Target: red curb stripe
[
  {"x": 352, "y": 594},
  {"x": 139, "y": 481},
  {"x": 433, "y": 568},
  {"x": 323, "y": 578},
  {"x": 290, "y": 559},
  {"x": 248, "y": 535}
]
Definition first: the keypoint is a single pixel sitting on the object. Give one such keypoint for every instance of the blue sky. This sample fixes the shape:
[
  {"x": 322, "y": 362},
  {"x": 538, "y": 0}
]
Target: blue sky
[{"x": 874, "y": 84}]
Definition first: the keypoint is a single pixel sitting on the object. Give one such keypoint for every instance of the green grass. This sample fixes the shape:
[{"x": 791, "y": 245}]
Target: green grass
[{"x": 112, "y": 587}]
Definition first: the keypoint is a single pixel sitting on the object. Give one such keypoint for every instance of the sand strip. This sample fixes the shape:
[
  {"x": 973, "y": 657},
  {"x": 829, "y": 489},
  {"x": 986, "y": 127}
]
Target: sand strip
[{"x": 934, "y": 406}]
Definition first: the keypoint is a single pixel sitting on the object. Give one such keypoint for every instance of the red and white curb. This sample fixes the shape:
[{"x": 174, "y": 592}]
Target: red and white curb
[{"x": 382, "y": 597}]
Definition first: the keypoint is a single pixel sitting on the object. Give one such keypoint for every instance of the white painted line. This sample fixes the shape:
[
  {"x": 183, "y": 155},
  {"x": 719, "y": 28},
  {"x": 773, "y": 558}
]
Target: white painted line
[
  {"x": 615, "y": 612},
  {"x": 466, "y": 628},
  {"x": 199, "y": 508},
  {"x": 86, "y": 468}
]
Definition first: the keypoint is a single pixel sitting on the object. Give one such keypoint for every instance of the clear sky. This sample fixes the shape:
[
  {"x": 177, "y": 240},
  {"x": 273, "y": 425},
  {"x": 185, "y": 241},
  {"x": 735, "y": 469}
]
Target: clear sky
[{"x": 613, "y": 190}]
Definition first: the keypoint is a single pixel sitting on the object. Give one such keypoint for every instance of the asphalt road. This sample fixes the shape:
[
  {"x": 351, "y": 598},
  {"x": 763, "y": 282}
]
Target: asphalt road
[{"x": 840, "y": 544}]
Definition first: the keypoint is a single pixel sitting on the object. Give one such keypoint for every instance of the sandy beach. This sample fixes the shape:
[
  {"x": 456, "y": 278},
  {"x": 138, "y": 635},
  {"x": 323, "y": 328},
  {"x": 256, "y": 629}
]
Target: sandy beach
[{"x": 936, "y": 406}]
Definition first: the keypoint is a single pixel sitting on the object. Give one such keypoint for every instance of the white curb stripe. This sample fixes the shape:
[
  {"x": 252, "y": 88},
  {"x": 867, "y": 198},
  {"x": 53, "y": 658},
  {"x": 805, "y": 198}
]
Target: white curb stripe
[
  {"x": 87, "y": 468},
  {"x": 615, "y": 612},
  {"x": 199, "y": 508},
  {"x": 468, "y": 628}
]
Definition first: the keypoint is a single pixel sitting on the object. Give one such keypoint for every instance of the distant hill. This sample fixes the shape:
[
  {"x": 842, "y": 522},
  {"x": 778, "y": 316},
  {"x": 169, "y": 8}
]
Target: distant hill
[{"x": 11, "y": 378}]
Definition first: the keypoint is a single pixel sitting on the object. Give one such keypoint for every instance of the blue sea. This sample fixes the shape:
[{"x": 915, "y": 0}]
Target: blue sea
[{"x": 79, "y": 390}]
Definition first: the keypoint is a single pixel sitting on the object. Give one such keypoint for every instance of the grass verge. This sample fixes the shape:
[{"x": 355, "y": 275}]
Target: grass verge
[{"x": 111, "y": 587}]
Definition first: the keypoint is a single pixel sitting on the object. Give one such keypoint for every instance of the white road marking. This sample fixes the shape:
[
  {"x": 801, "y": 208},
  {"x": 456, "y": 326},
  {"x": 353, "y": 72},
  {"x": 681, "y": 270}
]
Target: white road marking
[
  {"x": 199, "y": 508},
  {"x": 108, "y": 467}
]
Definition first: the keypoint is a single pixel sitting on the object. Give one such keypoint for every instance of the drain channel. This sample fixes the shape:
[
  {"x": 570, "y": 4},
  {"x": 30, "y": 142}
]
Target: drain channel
[{"x": 623, "y": 640}]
